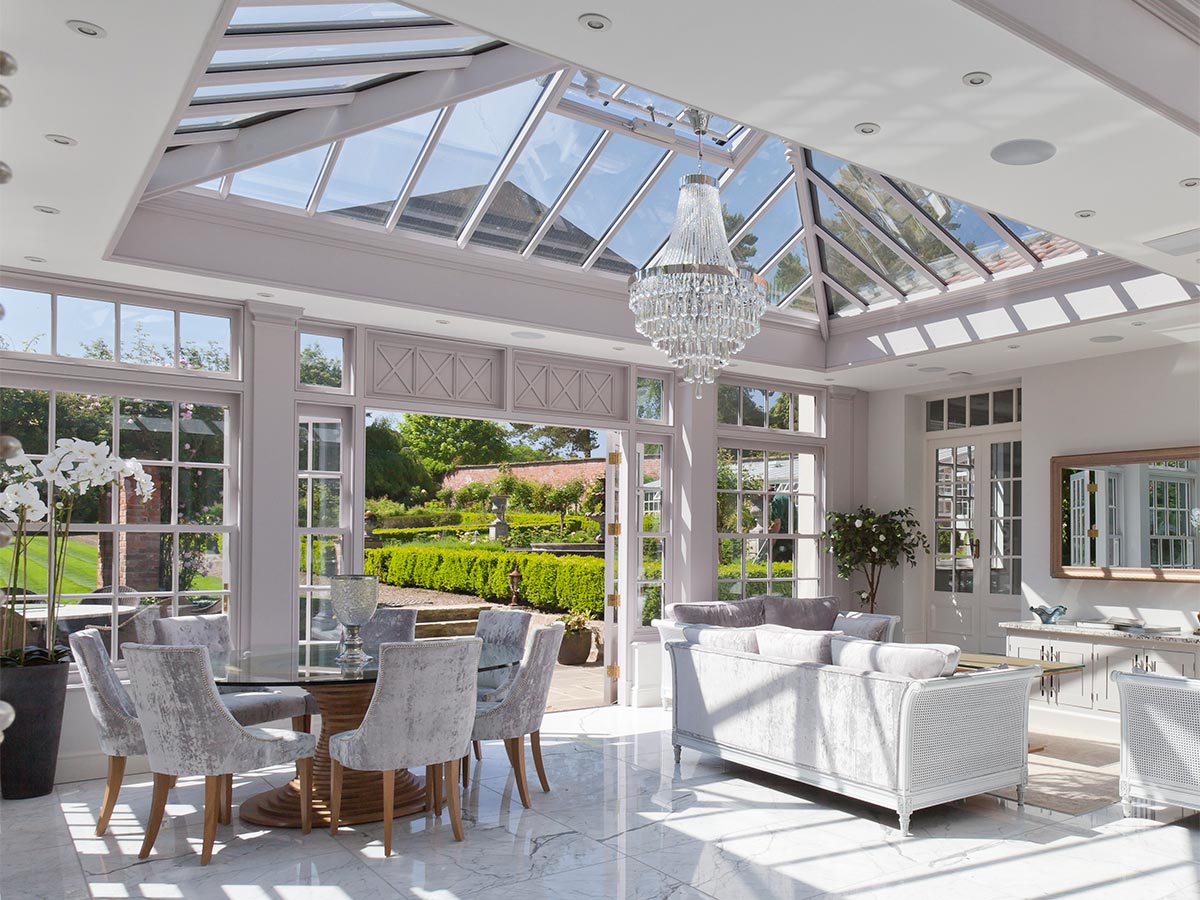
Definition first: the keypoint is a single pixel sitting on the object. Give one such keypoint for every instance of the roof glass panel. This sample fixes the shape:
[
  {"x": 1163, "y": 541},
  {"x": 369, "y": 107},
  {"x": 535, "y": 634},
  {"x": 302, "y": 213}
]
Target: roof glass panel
[
  {"x": 193, "y": 122},
  {"x": 372, "y": 168},
  {"x": 615, "y": 176},
  {"x": 289, "y": 56},
  {"x": 214, "y": 92},
  {"x": 288, "y": 181},
  {"x": 324, "y": 14},
  {"x": 966, "y": 225},
  {"x": 778, "y": 226},
  {"x": 649, "y": 225},
  {"x": 851, "y": 277},
  {"x": 841, "y": 306},
  {"x": 1043, "y": 244},
  {"x": 868, "y": 247},
  {"x": 873, "y": 200},
  {"x": 806, "y": 300},
  {"x": 554, "y": 153},
  {"x": 475, "y": 139},
  {"x": 789, "y": 273},
  {"x": 749, "y": 188}
]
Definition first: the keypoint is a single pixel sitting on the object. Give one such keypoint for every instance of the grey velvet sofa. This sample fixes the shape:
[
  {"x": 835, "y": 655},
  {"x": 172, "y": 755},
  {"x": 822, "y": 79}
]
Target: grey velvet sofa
[{"x": 899, "y": 742}]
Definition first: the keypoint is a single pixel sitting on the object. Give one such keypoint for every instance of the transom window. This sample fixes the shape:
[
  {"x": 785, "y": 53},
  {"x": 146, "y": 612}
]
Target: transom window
[
  {"x": 1001, "y": 407},
  {"x": 767, "y": 408}
]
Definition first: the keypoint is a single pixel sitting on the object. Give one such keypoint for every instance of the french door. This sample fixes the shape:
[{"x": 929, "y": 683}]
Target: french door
[{"x": 974, "y": 522}]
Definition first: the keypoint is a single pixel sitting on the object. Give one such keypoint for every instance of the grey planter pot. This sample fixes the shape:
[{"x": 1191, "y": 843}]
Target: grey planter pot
[
  {"x": 29, "y": 754},
  {"x": 575, "y": 649}
]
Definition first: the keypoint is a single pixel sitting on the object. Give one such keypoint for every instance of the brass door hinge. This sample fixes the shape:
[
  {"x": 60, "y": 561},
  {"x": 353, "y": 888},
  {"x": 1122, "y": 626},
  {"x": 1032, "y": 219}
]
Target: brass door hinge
[
  {"x": 614, "y": 599},
  {"x": 615, "y": 458},
  {"x": 614, "y": 528},
  {"x": 1093, "y": 487},
  {"x": 612, "y": 671}
]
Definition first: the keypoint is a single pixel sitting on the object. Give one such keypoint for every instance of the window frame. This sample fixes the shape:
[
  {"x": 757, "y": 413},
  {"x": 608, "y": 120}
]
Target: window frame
[{"x": 346, "y": 335}]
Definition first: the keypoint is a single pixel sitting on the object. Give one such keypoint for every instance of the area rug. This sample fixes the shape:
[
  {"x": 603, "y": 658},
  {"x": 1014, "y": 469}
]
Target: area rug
[{"x": 1070, "y": 775}]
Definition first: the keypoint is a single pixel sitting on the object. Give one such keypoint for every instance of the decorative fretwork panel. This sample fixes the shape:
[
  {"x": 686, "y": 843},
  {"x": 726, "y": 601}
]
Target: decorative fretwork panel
[
  {"x": 561, "y": 384},
  {"x": 442, "y": 371}
]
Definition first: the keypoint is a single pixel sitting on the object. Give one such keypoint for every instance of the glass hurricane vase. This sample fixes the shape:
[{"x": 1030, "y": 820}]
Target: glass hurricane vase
[{"x": 354, "y": 599}]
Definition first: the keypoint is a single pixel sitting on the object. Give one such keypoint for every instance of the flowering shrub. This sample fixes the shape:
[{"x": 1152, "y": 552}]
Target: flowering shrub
[{"x": 868, "y": 541}]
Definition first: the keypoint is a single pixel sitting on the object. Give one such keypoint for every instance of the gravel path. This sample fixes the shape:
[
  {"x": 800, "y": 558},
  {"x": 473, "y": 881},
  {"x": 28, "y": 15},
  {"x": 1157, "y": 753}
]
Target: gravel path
[{"x": 390, "y": 595}]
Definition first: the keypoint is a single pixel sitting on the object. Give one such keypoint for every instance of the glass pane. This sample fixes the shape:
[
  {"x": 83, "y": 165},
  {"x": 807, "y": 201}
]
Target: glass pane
[
  {"x": 84, "y": 416},
  {"x": 552, "y": 156},
  {"x": 326, "y": 558},
  {"x": 1002, "y": 407},
  {"x": 846, "y": 273},
  {"x": 25, "y": 414},
  {"x": 303, "y": 429},
  {"x": 204, "y": 342},
  {"x": 650, "y": 399},
  {"x": 979, "y": 409},
  {"x": 26, "y": 323},
  {"x": 777, "y": 227},
  {"x": 155, "y": 509},
  {"x": 751, "y": 468},
  {"x": 867, "y": 247},
  {"x": 334, "y": 52},
  {"x": 1002, "y": 460},
  {"x": 202, "y": 562},
  {"x": 650, "y": 564},
  {"x": 302, "y": 502},
  {"x": 753, "y": 512},
  {"x": 621, "y": 168},
  {"x": 956, "y": 412},
  {"x": 373, "y": 167},
  {"x": 805, "y": 406},
  {"x": 321, "y": 360},
  {"x": 479, "y": 133},
  {"x": 96, "y": 506},
  {"x": 935, "y": 415},
  {"x": 729, "y": 404},
  {"x": 201, "y": 496},
  {"x": 839, "y": 305},
  {"x": 323, "y": 13},
  {"x": 288, "y": 181},
  {"x": 146, "y": 429},
  {"x": 787, "y": 274},
  {"x": 754, "y": 407},
  {"x": 86, "y": 328},
  {"x": 1042, "y": 243},
  {"x": 967, "y": 227},
  {"x": 147, "y": 336},
  {"x": 286, "y": 88},
  {"x": 746, "y": 191},
  {"x": 779, "y": 406},
  {"x": 146, "y": 561},
  {"x": 202, "y": 431},
  {"x": 327, "y": 446},
  {"x": 651, "y": 602},
  {"x": 325, "y": 500}
]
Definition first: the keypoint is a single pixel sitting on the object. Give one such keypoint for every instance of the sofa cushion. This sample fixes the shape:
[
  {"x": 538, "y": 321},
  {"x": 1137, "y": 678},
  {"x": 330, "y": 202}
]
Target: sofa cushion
[
  {"x": 743, "y": 640},
  {"x": 908, "y": 660},
  {"x": 728, "y": 613},
  {"x": 857, "y": 624},
  {"x": 796, "y": 644},
  {"x": 809, "y": 613}
]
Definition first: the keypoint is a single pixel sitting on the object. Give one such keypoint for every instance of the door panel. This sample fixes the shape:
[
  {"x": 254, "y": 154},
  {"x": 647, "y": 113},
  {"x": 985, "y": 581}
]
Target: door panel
[
  {"x": 1108, "y": 661},
  {"x": 1075, "y": 688}
]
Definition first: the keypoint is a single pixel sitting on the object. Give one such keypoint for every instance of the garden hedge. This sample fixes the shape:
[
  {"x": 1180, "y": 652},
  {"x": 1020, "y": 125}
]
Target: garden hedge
[
  {"x": 550, "y": 583},
  {"x": 522, "y": 526}
]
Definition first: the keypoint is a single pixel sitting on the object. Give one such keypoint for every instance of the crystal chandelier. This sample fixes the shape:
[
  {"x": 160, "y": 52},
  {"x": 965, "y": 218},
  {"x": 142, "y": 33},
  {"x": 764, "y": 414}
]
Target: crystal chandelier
[{"x": 696, "y": 305}]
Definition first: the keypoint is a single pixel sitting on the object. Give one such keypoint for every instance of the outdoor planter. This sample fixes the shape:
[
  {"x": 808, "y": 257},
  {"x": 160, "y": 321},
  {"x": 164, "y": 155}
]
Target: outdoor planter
[
  {"x": 576, "y": 647},
  {"x": 29, "y": 756}
]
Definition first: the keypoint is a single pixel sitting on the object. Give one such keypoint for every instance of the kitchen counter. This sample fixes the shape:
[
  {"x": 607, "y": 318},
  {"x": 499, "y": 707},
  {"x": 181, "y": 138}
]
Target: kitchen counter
[{"x": 1099, "y": 635}]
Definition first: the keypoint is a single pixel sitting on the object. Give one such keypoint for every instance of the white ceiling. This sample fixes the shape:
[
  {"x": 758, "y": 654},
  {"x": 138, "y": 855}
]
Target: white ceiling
[{"x": 812, "y": 71}]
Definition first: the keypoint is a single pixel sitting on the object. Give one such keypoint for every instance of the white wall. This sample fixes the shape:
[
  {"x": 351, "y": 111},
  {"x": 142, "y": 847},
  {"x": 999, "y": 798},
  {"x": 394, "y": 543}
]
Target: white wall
[{"x": 1131, "y": 401}]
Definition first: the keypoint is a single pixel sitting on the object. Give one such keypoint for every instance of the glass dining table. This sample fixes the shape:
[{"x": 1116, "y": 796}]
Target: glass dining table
[{"x": 343, "y": 695}]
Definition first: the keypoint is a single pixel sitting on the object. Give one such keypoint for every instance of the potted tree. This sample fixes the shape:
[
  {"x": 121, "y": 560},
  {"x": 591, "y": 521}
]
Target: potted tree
[
  {"x": 36, "y": 504},
  {"x": 867, "y": 541},
  {"x": 577, "y": 640}
]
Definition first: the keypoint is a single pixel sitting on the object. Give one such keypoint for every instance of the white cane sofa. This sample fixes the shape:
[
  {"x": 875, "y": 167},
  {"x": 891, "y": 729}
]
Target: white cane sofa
[
  {"x": 1160, "y": 739},
  {"x": 898, "y": 742}
]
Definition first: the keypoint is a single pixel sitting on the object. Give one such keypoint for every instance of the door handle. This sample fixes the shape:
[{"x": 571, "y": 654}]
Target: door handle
[{"x": 975, "y": 548}]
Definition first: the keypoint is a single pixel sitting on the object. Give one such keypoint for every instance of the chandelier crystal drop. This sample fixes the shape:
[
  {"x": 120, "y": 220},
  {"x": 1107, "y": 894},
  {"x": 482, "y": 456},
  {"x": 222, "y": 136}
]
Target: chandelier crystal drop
[{"x": 696, "y": 305}]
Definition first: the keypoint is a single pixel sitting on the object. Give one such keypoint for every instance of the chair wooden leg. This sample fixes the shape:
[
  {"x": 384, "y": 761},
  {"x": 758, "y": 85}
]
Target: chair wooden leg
[
  {"x": 306, "y": 791},
  {"x": 174, "y": 779},
  {"x": 535, "y": 743},
  {"x": 455, "y": 802},
  {"x": 430, "y": 774},
  {"x": 439, "y": 793},
  {"x": 517, "y": 755},
  {"x": 214, "y": 788},
  {"x": 158, "y": 805},
  {"x": 335, "y": 795},
  {"x": 226, "y": 799},
  {"x": 302, "y": 723},
  {"x": 112, "y": 787},
  {"x": 389, "y": 798},
  {"x": 466, "y": 770},
  {"x": 478, "y": 748}
]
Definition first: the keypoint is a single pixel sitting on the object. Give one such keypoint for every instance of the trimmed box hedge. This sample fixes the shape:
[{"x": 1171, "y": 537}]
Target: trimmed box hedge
[{"x": 548, "y": 582}]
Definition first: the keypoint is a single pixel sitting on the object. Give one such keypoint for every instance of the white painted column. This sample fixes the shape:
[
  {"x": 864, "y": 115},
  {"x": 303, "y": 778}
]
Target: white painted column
[
  {"x": 845, "y": 470},
  {"x": 694, "y": 490},
  {"x": 265, "y": 613}
]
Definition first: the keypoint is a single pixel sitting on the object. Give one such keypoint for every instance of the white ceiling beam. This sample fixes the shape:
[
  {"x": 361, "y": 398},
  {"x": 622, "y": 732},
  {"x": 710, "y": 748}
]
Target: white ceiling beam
[
  {"x": 269, "y": 104},
  {"x": 859, "y": 263},
  {"x": 555, "y": 211},
  {"x": 277, "y": 40},
  {"x": 371, "y": 108},
  {"x": 362, "y": 68},
  {"x": 211, "y": 136},
  {"x": 314, "y": 199},
  {"x": 746, "y": 146},
  {"x": 799, "y": 163},
  {"x": 623, "y": 217},
  {"x": 551, "y": 94},
  {"x": 410, "y": 183},
  {"x": 682, "y": 143}
]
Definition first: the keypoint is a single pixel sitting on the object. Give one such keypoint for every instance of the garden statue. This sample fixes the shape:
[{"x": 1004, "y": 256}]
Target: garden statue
[{"x": 498, "y": 528}]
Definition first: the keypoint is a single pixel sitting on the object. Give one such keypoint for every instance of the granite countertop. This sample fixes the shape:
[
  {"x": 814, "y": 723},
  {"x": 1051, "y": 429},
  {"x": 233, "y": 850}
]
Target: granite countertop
[{"x": 1100, "y": 635}]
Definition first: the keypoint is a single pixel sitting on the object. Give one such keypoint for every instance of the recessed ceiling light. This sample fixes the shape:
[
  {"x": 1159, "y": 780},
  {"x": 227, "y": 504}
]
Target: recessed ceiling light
[
  {"x": 595, "y": 22},
  {"x": 1023, "y": 152},
  {"x": 1106, "y": 339},
  {"x": 910, "y": 365},
  {"x": 831, "y": 379},
  {"x": 867, "y": 128},
  {"x": 1013, "y": 347},
  {"x": 62, "y": 140},
  {"x": 1084, "y": 213},
  {"x": 1189, "y": 182},
  {"x": 1137, "y": 324},
  {"x": 5, "y": 172},
  {"x": 976, "y": 79},
  {"x": 36, "y": 259},
  {"x": 48, "y": 210},
  {"x": 442, "y": 321},
  {"x": 528, "y": 335},
  {"x": 618, "y": 347},
  {"x": 87, "y": 29},
  {"x": 959, "y": 374},
  {"x": 932, "y": 370},
  {"x": 8, "y": 64},
  {"x": 265, "y": 294}
]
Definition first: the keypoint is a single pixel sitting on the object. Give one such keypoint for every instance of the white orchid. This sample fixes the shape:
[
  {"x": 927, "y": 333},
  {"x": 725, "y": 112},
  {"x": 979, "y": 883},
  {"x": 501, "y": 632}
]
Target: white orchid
[
  {"x": 143, "y": 484},
  {"x": 21, "y": 498},
  {"x": 858, "y": 523}
]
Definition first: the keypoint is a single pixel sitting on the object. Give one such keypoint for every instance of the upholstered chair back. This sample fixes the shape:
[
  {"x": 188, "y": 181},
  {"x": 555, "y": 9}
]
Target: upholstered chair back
[
  {"x": 422, "y": 710},
  {"x": 389, "y": 625},
  {"x": 112, "y": 708},
  {"x": 187, "y": 728},
  {"x": 506, "y": 627},
  {"x": 522, "y": 709},
  {"x": 211, "y": 632}
]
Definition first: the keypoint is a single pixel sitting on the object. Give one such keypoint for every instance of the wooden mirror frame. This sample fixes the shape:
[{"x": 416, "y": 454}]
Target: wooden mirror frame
[{"x": 1108, "y": 573}]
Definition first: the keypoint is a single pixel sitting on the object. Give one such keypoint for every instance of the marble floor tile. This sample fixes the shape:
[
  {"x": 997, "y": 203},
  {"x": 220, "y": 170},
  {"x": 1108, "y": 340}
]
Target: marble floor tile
[{"x": 618, "y": 879}]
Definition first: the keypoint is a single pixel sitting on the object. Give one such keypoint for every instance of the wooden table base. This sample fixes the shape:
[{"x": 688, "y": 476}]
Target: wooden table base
[{"x": 342, "y": 709}]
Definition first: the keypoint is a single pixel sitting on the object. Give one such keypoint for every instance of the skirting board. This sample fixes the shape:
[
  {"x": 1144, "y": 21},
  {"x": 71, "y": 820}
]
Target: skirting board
[{"x": 1043, "y": 719}]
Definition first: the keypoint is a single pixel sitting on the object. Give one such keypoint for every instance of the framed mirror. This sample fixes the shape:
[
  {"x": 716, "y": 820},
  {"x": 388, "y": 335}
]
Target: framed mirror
[{"x": 1132, "y": 515}]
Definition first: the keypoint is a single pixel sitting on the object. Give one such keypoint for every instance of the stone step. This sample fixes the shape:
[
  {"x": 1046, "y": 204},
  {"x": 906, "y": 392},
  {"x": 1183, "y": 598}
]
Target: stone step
[
  {"x": 450, "y": 613},
  {"x": 445, "y": 629}
]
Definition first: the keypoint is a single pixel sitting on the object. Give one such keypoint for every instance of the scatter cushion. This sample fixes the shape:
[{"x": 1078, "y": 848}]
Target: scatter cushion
[
  {"x": 810, "y": 613},
  {"x": 857, "y": 625},
  {"x": 796, "y": 644},
  {"x": 908, "y": 660},
  {"x": 728, "y": 613},
  {"x": 743, "y": 640}
]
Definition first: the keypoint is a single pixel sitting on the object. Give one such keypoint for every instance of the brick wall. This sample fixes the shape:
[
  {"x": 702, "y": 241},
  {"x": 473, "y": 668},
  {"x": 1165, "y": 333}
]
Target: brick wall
[
  {"x": 140, "y": 557},
  {"x": 553, "y": 472}
]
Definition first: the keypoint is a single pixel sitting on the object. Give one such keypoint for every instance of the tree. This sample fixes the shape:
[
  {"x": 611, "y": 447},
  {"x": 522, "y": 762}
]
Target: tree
[
  {"x": 393, "y": 469},
  {"x": 563, "y": 499},
  {"x": 318, "y": 369},
  {"x": 747, "y": 246},
  {"x": 867, "y": 541},
  {"x": 555, "y": 441},
  {"x": 442, "y": 442}
]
